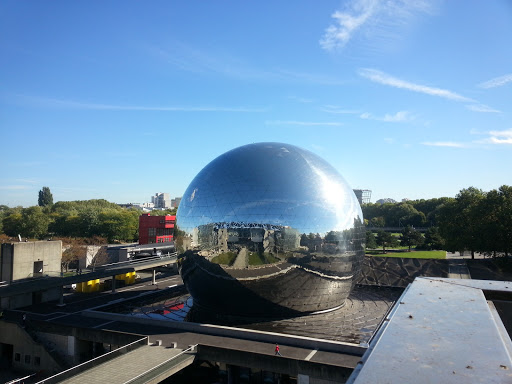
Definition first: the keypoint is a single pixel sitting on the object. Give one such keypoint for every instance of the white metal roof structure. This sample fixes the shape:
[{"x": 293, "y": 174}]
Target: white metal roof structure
[{"x": 441, "y": 331}]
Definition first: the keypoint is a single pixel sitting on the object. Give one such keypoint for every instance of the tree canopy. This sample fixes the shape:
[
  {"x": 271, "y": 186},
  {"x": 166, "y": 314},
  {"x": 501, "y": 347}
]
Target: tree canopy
[
  {"x": 45, "y": 197},
  {"x": 410, "y": 237}
]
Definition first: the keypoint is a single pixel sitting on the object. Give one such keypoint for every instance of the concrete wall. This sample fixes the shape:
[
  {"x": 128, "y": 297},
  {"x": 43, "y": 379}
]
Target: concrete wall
[
  {"x": 60, "y": 344},
  {"x": 32, "y": 356},
  {"x": 18, "y": 259},
  {"x": 92, "y": 252},
  {"x": 17, "y": 301}
]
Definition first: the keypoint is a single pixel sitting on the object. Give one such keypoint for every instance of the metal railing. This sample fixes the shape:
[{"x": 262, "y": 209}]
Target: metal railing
[
  {"x": 166, "y": 256},
  {"x": 94, "y": 362},
  {"x": 21, "y": 379}
]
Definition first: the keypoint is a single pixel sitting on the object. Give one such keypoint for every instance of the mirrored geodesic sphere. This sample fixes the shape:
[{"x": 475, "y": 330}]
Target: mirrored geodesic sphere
[{"x": 268, "y": 229}]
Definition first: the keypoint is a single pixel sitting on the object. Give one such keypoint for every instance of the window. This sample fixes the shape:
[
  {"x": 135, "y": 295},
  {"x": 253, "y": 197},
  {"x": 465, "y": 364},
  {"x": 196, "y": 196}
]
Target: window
[
  {"x": 151, "y": 231},
  {"x": 27, "y": 359},
  {"x": 37, "y": 361},
  {"x": 38, "y": 268},
  {"x": 17, "y": 357}
]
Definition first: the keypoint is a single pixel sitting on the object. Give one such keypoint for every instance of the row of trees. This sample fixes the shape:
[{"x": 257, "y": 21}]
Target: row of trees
[
  {"x": 409, "y": 237},
  {"x": 84, "y": 219},
  {"x": 416, "y": 213},
  {"x": 478, "y": 221},
  {"x": 474, "y": 220}
]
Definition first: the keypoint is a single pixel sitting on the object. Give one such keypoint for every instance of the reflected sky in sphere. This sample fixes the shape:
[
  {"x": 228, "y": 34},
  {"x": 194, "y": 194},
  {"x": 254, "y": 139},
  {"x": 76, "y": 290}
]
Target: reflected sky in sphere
[{"x": 270, "y": 183}]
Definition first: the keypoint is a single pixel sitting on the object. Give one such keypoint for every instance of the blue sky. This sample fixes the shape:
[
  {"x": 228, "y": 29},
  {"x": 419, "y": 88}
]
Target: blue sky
[{"x": 123, "y": 99}]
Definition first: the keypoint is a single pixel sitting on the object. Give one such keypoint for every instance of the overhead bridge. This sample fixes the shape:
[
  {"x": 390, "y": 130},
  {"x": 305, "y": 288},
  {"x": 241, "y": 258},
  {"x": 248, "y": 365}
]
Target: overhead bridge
[
  {"x": 147, "y": 364},
  {"x": 46, "y": 283}
]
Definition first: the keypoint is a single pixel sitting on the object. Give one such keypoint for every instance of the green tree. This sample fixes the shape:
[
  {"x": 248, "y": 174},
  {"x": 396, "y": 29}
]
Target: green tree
[
  {"x": 386, "y": 239},
  {"x": 34, "y": 222},
  {"x": 495, "y": 214},
  {"x": 12, "y": 224},
  {"x": 119, "y": 225},
  {"x": 433, "y": 239},
  {"x": 459, "y": 222},
  {"x": 378, "y": 221},
  {"x": 88, "y": 222},
  {"x": 410, "y": 237},
  {"x": 371, "y": 242},
  {"x": 45, "y": 197}
]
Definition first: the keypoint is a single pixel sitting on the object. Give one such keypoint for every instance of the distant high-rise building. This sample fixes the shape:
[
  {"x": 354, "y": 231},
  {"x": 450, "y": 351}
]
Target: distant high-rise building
[
  {"x": 161, "y": 200},
  {"x": 175, "y": 202},
  {"x": 363, "y": 195}
]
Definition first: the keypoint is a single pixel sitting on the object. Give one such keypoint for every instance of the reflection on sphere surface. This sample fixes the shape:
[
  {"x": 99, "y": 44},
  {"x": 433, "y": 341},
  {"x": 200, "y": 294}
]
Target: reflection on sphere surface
[{"x": 269, "y": 229}]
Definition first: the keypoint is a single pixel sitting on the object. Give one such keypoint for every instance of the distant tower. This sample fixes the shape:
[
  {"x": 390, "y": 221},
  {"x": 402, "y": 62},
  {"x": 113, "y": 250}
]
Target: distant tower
[
  {"x": 363, "y": 195},
  {"x": 161, "y": 200}
]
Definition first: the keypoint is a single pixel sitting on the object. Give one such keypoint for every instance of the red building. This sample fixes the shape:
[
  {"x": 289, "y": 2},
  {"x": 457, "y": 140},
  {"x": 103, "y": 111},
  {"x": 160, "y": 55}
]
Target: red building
[{"x": 156, "y": 229}]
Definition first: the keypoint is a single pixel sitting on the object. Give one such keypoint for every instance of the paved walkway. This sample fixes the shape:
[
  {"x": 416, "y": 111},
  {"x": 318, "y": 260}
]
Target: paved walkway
[
  {"x": 124, "y": 368},
  {"x": 242, "y": 260}
]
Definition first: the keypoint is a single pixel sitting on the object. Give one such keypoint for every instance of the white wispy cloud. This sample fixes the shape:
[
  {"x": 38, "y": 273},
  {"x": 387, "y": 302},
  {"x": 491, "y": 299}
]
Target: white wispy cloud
[
  {"x": 304, "y": 123},
  {"x": 191, "y": 59},
  {"x": 399, "y": 117},
  {"x": 389, "y": 140},
  {"x": 72, "y": 104},
  {"x": 382, "y": 78},
  {"x": 371, "y": 18},
  {"x": 482, "y": 108},
  {"x": 499, "y": 137},
  {"x": 451, "y": 144},
  {"x": 497, "y": 81},
  {"x": 339, "y": 110},
  {"x": 347, "y": 22},
  {"x": 493, "y": 137}
]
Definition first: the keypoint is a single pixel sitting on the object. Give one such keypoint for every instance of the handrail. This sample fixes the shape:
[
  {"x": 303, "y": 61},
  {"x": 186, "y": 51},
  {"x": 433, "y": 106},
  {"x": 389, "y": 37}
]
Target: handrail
[
  {"x": 191, "y": 348},
  {"x": 20, "y": 379},
  {"x": 83, "y": 366},
  {"x": 139, "y": 261}
]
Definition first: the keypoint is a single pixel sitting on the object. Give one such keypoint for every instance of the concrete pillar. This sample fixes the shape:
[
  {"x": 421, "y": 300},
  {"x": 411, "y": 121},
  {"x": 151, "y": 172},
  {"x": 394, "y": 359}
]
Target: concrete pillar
[
  {"x": 154, "y": 276},
  {"x": 61, "y": 298},
  {"x": 229, "y": 368},
  {"x": 114, "y": 284}
]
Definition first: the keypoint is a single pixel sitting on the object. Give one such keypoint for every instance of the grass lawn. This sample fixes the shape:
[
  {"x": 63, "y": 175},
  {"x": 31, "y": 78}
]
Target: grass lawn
[
  {"x": 227, "y": 258},
  {"x": 259, "y": 259},
  {"x": 410, "y": 255}
]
